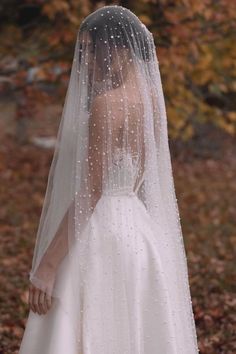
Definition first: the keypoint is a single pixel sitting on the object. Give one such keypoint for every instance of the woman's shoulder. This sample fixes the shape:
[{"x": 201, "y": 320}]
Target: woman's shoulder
[{"x": 116, "y": 99}]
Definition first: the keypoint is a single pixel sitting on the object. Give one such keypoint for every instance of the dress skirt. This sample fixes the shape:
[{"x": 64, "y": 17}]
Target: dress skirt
[{"x": 123, "y": 299}]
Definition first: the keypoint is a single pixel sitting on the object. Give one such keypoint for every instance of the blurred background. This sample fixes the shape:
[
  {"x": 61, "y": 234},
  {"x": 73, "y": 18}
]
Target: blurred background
[{"x": 195, "y": 42}]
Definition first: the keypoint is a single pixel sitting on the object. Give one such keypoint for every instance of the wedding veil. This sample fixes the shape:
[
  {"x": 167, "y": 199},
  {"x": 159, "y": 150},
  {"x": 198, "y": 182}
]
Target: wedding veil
[{"x": 114, "y": 104}]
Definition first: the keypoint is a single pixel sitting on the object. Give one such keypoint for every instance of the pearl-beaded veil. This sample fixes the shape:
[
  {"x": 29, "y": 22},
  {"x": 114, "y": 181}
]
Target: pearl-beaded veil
[{"x": 114, "y": 120}]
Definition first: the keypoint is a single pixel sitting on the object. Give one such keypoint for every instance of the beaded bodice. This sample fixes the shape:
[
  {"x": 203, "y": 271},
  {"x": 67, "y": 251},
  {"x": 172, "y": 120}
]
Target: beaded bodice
[{"x": 122, "y": 173}]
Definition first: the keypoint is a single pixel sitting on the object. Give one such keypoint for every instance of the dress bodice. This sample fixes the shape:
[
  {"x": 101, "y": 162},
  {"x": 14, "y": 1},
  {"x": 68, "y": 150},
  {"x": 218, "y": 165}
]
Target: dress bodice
[{"x": 123, "y": 172}]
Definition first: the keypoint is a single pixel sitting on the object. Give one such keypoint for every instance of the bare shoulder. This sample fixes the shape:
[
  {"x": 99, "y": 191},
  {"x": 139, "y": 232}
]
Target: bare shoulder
[
  {"x": 114, "y": 104},
  {"x": 115, "y": 99},
  {"x": 105, "y": 105}
]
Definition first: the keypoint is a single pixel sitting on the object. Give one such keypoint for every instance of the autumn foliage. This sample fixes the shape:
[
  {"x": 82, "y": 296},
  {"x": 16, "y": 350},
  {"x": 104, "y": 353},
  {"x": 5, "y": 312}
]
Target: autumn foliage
[{"x": 194, "y": 40}]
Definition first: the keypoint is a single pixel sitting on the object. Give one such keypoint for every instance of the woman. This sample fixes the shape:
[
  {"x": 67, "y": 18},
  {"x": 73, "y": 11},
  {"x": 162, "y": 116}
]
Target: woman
[{"x": 109, "y": 272}]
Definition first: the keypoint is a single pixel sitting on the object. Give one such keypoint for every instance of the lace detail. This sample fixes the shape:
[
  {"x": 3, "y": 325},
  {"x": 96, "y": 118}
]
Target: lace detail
[
  {"x": 121, "y": 156},
  {"x": 124, "y": 172}
]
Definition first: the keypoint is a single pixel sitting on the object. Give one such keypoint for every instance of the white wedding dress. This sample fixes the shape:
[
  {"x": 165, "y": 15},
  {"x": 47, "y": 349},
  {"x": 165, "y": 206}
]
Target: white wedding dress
[{"x": 124, "y": 307}]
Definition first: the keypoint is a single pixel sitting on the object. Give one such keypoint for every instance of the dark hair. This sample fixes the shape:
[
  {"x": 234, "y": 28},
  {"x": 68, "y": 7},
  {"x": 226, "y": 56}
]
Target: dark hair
[{"x": 121, "y": 27}]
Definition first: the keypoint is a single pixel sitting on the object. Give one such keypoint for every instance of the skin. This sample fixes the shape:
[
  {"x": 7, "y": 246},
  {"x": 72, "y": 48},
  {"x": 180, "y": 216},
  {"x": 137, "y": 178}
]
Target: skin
[{"x": 39, "y": 301}]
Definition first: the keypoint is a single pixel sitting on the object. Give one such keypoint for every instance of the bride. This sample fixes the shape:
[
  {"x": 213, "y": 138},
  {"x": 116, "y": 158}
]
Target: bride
[{"x": 109, "y": 272}]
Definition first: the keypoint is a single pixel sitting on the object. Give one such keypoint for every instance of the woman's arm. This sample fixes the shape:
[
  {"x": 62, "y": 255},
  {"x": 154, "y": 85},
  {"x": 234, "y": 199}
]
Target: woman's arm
[{"x": 40, "y": 301}]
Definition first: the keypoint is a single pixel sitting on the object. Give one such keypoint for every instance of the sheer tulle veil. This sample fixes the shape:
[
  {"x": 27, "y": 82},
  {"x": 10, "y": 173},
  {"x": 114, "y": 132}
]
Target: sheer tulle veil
[{"x": 114, "y": 51}]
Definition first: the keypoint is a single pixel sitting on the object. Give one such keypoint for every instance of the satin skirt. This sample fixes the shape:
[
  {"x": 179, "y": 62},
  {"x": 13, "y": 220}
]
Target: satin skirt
[{"x": 123, "y": 299}]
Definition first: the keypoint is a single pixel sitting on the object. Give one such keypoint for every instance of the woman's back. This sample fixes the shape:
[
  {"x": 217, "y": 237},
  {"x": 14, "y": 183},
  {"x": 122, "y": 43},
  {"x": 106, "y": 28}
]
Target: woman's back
[{"x": 123, "y": 139}]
